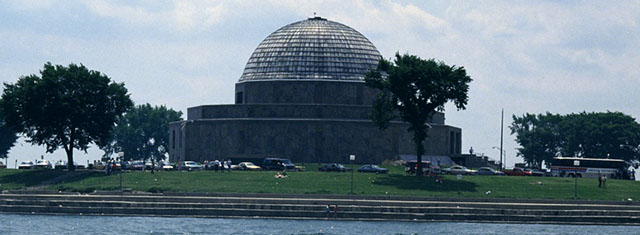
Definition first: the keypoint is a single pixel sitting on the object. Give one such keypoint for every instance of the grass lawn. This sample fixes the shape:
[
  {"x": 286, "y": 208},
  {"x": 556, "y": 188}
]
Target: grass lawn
[{"x": 313, "y": 182}]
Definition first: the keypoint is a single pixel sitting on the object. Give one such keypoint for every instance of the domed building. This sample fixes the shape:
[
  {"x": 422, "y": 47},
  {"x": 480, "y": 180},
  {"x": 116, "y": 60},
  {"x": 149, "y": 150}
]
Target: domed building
[{"x": 302, "y": 96}]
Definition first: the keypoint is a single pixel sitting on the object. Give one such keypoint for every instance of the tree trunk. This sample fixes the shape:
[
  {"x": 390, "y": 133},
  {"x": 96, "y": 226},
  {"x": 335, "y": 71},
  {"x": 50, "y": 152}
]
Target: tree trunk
[
  {"x": 419, "y": 153},
  {"x": 69, "y": 150},
  {"x": 70, "y": 165}
]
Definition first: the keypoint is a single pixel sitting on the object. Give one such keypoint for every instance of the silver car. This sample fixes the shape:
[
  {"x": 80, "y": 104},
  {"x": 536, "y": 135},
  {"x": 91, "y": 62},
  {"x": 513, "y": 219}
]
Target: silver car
[{"x": 458, "y": 170}]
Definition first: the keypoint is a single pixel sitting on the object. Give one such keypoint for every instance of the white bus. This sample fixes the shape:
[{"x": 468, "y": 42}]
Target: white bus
[{"x": 587, "y": 167}]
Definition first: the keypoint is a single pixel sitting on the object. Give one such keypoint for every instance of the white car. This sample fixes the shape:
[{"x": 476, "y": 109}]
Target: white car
[
  {"x": 458, "y": 170},
  {"x": 26, "y": 165},
  {"x": 192, "y": 166},
  {"x": 248, "y": 166},
  {"x": 43, "y": 164}
]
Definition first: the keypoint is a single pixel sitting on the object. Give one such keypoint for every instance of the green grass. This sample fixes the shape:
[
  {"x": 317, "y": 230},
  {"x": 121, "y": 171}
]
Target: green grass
[{"x": 313, "y": 182}]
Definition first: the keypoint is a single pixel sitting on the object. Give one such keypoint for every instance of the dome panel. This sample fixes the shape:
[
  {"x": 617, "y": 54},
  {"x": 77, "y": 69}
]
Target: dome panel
[{"x": 315, "y": 48}]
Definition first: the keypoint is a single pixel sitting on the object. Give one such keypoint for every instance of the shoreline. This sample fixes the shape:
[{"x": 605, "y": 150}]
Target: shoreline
[{"x": 313, "y": 207}]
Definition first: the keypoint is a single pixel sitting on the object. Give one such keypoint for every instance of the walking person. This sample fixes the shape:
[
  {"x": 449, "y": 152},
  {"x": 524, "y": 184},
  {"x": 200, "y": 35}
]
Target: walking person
[{"x": 229, "y": 164}]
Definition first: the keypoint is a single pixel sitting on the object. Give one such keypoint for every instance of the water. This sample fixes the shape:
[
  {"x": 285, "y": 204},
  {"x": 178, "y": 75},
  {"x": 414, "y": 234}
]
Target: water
[{"x": 47, "y": 224}]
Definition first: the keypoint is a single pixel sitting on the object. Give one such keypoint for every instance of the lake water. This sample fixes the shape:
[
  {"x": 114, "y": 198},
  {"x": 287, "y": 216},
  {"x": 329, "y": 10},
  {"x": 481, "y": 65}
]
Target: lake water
[{"x": 47, "y": 224}]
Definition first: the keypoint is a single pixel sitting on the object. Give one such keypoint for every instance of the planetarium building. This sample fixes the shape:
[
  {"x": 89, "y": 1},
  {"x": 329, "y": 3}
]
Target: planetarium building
[{"x": 302, "y": 96}]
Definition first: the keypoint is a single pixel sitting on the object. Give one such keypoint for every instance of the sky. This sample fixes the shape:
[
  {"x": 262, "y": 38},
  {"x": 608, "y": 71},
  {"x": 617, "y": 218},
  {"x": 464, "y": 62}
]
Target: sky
[{"x": 524, "y": 56}]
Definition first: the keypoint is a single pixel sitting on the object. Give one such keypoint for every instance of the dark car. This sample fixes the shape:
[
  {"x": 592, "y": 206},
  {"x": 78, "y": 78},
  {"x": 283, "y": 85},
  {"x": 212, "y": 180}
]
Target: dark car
[
  {"x": 427, "y": 168},
  {"x": 334, "y": 167},
  {"x": 488, "y": 171},
  {"x": 536, "y": 172},
  {"x": 137, "y": 165},
  {"x": 372, "y": 169},
  {"x": 278, "y": 164}
]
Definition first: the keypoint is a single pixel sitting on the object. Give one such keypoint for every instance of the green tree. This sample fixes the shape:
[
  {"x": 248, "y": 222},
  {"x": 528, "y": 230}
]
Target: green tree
[
  {"x": 142, "y": 133},
  {"x": 599, "y": 135},
  {"x": 65, "y": 107},
  {"x": 539, "y": 137},
  {"x": 8, "y": 138},
  {"x": 414, "y": 89}
]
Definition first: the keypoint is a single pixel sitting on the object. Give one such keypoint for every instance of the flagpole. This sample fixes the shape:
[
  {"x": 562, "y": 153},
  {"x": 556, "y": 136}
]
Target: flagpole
[{"x": 501, "y": 139}]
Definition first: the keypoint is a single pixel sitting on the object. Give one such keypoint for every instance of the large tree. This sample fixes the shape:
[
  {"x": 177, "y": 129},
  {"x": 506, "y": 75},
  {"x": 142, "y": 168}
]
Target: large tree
[
  {"x": 599, "y": 135},
  {"x": 65, "y": 107},
  {"x": 8, "y": 137},
  {"x": 142, "y": 133},
  {"x": 414, "y": 89}
]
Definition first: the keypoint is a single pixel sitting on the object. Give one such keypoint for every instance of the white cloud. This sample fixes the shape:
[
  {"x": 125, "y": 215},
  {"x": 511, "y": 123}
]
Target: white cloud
[{"x": 181, "y": 16}]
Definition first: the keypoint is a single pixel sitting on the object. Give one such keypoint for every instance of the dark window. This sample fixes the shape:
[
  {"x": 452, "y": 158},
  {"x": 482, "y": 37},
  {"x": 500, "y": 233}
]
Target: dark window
[
  {"x": 180, "y": 139},
  {"x": 239, "y": 98},
  {"x": 173, "y": 139},
  {"x": 458, "y": 143},
  {"x": 452, "y": 142}
]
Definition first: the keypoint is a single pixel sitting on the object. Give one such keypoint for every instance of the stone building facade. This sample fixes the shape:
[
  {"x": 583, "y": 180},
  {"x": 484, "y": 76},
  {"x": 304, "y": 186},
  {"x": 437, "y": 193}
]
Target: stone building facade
[{"x": 302, "y": 96}]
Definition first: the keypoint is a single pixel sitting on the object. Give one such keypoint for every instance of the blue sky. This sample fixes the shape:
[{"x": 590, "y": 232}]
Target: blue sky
[{"x": 524, "y": 56}]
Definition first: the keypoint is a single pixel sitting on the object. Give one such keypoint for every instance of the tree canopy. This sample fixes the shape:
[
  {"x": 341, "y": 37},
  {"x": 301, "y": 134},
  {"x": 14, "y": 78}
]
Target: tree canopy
[
  {"x": 598, "y": 135},
  {"x": 414, "y": 89},
  {"x": 142, "y": 133},
  {"x": 65, "y": 107},
  {"x": 8, "y": 137}
]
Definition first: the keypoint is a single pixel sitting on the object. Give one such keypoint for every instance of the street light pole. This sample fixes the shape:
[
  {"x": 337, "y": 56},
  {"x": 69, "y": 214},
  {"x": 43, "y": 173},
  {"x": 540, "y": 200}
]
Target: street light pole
[
  {"x": 505, "y": 156},
  {"x": 352, "y": 158},
  {"x": 576, "y": 163},
  {"x": 501, "y": 137}
]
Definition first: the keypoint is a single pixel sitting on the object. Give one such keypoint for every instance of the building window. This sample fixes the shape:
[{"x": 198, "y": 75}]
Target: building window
[
  {"x": 180, "y": 139},
  {"x": 452, "y": 142},
  {"x": 173, "y": 139},
  {"x": 458, "y": 143},
  {"x": 239, "y": 98}
]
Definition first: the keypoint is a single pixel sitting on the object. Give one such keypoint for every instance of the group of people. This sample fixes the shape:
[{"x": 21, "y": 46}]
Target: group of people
[
  {"x": 217, "y": 165},
  {"x": 602, "y": 181},
  {"x": 335, "y": 211}
]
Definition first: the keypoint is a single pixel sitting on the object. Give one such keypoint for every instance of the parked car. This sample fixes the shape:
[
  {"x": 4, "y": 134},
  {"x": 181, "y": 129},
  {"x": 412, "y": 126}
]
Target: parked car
[
  {"x": 248, "y": 166},
  {"x": 458, "y": 170},
  {"x": 43, "y": 164},
  {"x": 165, "y": 166},
  {"x": 137, "y": 165},
  {"x": 26, "y": 165},
  {"x": 78, "y": 166},
  {"x": 535, "y": 172},
  {"x": 60, "y": 165},
  {"x": 488, "y": 171},
  {"x": 427, "y": 167},
  {"x": 372, "y": 169},
  {"x": 278, "y": 164},
  {"x": 192, "y": 166},
  {"x": 99, "y": 165},
  {"x": 2, "y": 165},
  {"x": 334, "y": 167},
  {"x": 517, "y": 171}
]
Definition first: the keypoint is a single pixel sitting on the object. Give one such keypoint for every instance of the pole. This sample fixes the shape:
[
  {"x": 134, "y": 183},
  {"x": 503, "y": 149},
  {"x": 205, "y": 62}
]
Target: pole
[
  {"x": 121, "y": 154},
  {"x": 352, "y": 157},
  {"x": 501, "y": 138},
  {"x": 575, "y": 188}
]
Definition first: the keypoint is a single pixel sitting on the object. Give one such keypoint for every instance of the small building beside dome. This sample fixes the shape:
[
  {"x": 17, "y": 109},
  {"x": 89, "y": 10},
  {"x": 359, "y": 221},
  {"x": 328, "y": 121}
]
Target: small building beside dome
[{"x": 302, "y": 96}]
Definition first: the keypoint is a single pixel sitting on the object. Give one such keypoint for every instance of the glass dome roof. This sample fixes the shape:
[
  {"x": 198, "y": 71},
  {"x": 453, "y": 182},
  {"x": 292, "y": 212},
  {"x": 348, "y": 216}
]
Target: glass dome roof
[{"x": 315, "y": 48}]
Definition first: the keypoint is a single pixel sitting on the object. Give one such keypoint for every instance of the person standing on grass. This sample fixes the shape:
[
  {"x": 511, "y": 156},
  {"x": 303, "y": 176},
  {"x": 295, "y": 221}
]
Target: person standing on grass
[
  {"x": 229, "y": 164},
  {"x": 600, "y": 180}
]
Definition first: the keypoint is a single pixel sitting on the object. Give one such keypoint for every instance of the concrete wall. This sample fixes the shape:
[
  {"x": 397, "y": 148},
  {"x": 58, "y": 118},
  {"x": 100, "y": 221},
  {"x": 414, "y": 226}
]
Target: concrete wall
[
  {"x": 360, "y": 112},
  {"x": 302, "y": 140}
]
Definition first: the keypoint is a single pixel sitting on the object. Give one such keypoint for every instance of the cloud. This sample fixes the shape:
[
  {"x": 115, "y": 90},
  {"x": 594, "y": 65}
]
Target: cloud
[{"x": 180, "y": 16}]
